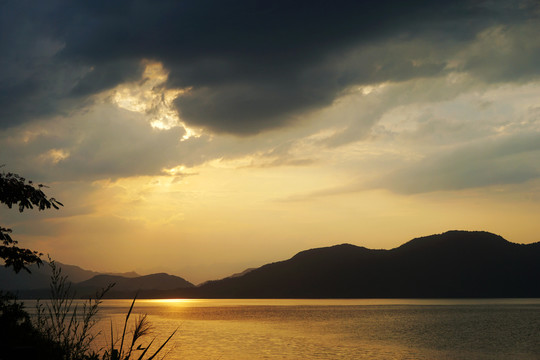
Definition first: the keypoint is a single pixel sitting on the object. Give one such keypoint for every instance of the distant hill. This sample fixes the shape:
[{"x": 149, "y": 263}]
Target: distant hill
[
  {"x": 40, "y": 277},
  {"x": 453, "y": 264},
  {"x": 86, "y": 282},
  {"x": 130, "y": 286}
]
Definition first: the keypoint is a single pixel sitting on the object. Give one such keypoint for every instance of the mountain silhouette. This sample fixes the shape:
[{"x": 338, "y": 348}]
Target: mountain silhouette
[
  {"x": 40, "y": 276},
  {"x": 160, "y": 281},
  {"x": 452, "y": 264},
  {"x": 86, "y": 283},
  {"x": 449, "y": 265}
]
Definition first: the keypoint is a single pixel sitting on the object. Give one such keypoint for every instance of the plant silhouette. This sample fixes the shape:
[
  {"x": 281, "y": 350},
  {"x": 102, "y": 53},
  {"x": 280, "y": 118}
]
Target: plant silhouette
[{"x": 16, "y": 190}]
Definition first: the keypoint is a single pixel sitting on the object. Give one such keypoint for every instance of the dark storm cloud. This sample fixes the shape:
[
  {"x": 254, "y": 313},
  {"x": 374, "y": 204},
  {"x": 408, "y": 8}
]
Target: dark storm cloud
[
  {"x": 250, "y": 65},
  {"x": 507, "y": 54},
  {"x": 108, "y": 75},
  {"x": 25, "y": 66}
]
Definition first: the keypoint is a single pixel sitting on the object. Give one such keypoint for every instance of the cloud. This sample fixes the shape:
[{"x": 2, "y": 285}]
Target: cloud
[
  {"x": 426, "y": 141},
  {"x": 106, "y": 76},
  {"x": 509, "y": 160},
  {"x": 243, "y": 69},
  {"x": 506, "y": 53},
  {"x": 250, "y": 66},
  {"x": 103, "y": 142}
]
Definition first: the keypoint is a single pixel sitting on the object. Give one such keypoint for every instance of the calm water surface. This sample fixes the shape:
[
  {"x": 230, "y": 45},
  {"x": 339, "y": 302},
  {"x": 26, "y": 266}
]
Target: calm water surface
[{"x": 338, "y": 329}]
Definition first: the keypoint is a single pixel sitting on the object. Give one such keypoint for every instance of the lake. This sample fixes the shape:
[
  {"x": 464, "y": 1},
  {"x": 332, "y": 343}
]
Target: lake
[{"x": 337, "y": 329}]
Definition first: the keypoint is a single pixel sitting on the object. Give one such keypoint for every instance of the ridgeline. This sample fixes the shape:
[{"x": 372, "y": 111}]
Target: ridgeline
[{"x": 455, "y": 264}]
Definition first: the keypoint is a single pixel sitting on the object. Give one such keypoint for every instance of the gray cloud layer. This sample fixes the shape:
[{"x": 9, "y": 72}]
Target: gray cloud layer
[
  {"x": 511, "y": 160},
  {"x": 251, "y": 66}
]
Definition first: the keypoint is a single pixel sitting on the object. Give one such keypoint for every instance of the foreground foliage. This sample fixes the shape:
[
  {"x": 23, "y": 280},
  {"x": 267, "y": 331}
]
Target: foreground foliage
[
  {"x": 16, "y": 190},
  {"x": 141, "y": 328},
  {"x": 65, "y": 323},
  {"x": 64, "y": 330},
  {"x": 19, "y": 339}
]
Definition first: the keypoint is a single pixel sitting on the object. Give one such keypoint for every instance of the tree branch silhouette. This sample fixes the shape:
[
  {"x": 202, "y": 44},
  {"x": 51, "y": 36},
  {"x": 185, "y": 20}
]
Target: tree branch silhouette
[{"x": 24, "y": 194}]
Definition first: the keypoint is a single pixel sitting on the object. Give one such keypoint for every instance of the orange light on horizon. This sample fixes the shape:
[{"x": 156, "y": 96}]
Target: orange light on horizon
[{"x": 172, "y": 301}]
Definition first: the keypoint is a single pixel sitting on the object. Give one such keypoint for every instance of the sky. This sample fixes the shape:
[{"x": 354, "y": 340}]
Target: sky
[{"x": 201, "y": 138}]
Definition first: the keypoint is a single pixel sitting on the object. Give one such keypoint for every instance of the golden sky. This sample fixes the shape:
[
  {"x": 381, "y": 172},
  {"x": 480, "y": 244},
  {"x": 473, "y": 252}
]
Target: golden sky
[{"x": 200, "y": 157}]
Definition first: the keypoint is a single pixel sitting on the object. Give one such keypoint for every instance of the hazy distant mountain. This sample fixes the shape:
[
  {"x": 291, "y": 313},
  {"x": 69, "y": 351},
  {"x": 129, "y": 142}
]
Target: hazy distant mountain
[
  {"x": 129, "y": 274},
  {"x": 453, "y": 264},
  {"x": 130, "y": 286},
  {"x": 40, "y": 277}
]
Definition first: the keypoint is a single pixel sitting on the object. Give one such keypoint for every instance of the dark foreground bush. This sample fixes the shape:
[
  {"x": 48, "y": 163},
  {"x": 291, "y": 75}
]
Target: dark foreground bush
[
  {"x": 62, "y": 330},
  {"x": 19, "y": 339}
]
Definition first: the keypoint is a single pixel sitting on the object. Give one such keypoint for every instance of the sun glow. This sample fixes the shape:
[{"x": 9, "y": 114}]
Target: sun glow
[
  {"x": 173, "y": 301},
  {"x": 55, "y": 155},
  {"x": 150, "y": 96},
  {"x": 177, "y": 170}
]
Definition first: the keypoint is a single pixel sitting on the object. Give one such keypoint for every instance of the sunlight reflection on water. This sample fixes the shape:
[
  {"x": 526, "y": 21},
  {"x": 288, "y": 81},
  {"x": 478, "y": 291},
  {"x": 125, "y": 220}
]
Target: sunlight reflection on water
[{"x": 338, "y": 329}]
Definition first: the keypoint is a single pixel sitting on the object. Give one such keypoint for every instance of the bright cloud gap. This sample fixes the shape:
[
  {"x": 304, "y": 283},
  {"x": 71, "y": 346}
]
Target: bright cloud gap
[{"x": 150, "y": 96}]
